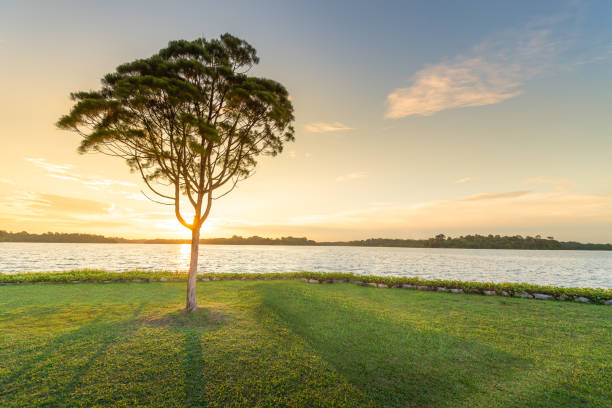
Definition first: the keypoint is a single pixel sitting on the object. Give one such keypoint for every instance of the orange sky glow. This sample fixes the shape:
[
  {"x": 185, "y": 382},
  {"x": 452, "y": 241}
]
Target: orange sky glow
[{"x": 500, "y": 130}]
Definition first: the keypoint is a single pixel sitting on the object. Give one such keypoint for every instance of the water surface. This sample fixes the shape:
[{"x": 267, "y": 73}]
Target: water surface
[{"x": 559, "y": 268}]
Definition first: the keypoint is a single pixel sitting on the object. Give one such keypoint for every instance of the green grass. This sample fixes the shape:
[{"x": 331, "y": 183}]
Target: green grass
[
  {"x": 595, "y": 295},
  {"x": 288, "y": 343}
]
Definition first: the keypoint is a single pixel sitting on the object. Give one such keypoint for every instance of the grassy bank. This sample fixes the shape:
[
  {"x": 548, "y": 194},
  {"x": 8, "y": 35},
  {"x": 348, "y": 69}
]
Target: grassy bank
[
  {"x": 288, "y": 343},
  {"x": 589, "y": 295}
]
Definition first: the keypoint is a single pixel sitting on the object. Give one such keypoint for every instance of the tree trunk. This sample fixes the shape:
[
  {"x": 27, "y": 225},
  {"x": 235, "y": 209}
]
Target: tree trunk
[{"x": 192, "y": 303}]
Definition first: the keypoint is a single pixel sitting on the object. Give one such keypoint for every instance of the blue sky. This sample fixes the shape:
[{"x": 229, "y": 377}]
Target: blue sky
[{"x": 412, "y": 118}]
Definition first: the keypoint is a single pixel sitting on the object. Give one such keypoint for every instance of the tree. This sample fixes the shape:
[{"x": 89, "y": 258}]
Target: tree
[{"x": 190, "y": 121}]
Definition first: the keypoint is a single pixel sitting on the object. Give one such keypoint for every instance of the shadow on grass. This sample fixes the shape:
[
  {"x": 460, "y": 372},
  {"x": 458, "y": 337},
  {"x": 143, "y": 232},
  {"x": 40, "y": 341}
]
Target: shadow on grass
[
  {"x": 572, "y": 392},
  {"x": 191, "y": 325},
  {"x": 57, "y": 343},
  {"x": 105, "y": 332},
  {"x": 193, "y": 366},
  {"x": 88, "y": 344},
  {"x": 201, "y": 319},
  {"x": 392, "y": 362}
]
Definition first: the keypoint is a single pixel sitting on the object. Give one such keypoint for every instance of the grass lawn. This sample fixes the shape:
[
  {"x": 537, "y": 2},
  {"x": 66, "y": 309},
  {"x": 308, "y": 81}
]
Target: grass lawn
[{"x": 289, "y": 343}]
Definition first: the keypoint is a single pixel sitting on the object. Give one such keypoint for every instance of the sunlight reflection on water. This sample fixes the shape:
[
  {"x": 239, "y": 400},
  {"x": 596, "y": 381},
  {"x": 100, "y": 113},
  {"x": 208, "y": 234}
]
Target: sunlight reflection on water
[
  {"x": 560, "y": 268},
  {"x": 185, "y": 253}
]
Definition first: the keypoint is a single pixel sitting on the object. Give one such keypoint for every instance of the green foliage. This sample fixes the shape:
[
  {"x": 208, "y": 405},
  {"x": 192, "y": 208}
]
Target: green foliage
[
  {"x": 477, "y": 242},
  {"x": 256, "y": 240},
  {"x": 461, "y": 242},
  {"x": 189, "y": 119},
  {"x": 23, "y": 236},
  {"x": 92, "y": 275},
  {"x": 287, "y": 343}
]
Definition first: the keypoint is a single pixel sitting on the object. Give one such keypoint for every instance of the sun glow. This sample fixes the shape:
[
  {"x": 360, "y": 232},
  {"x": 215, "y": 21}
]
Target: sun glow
[
  {"x": 208, "y": 226},
  {"x": 177, "y": 230},
  {"x": 185, "y": 250}
]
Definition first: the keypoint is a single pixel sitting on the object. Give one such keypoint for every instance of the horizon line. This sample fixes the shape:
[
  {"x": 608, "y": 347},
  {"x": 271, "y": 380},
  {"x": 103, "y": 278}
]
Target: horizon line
[{"x": 176, "y": 240}]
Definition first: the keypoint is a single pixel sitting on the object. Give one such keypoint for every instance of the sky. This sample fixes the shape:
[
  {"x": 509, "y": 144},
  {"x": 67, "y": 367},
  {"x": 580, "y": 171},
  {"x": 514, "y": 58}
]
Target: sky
[{"x": 412, "y": 118}]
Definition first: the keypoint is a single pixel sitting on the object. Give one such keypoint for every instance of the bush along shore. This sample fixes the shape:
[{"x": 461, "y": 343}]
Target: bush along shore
[
  {"x": 475, "y": 241},
  {"x": 522, "y": 290}
]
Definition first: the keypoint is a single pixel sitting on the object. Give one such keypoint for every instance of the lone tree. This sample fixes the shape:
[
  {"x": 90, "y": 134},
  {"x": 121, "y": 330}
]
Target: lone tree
[{"x": 190, "y": 121}]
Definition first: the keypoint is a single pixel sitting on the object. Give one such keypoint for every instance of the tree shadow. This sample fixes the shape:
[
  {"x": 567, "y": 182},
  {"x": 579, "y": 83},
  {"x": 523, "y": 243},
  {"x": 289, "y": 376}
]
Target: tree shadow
[
  {"x": 191, "y": 325},
  {"x": 92, "y": 340},
  {"x": 55, "y": 344},
  {"x": 193, "y": 366},
  {"x": 394, "y": 363},
  {"x": 110, "y": 331},
  {"x": 257, "y": 361},
  {"x": 180, "y": 319},
  {"x": 575, "y": 392}
]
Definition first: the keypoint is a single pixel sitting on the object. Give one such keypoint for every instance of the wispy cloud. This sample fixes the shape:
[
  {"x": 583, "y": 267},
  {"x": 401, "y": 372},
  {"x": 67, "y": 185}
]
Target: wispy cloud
[
  {"x": 495, "y": 196},
  {"x": 31, "y": 211},
  {"x": 547, "y": 180},
  {"x": 321, "y": 127},
  {"x": 463, "y": 180},
  {"x": 351, "y": 176},
  {"x": 560, "y": 184},
  {"x": 493, "y": 71},
  {"x": 508, "y": 212},
  {"x": 39, "y": 212},
  {"x": 50, "y": 167},
  {"x": 7, "y": 181},
  {"x": 41, "y": 204},
  {"x": 134, "y": 196},
  {"x": 65, "y": 172}
]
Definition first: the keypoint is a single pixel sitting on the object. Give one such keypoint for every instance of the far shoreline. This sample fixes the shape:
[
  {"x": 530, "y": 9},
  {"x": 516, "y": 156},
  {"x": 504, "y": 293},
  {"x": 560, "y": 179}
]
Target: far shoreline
[
  {"x": 474, "y": 241},
  {"x": 318, "y": 245}
]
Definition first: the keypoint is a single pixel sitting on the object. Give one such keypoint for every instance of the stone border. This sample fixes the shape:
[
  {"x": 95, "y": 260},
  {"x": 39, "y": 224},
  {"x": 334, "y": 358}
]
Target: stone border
[
  {"x": 524, "y": 295},
  {"x": 508, "y": 289}
]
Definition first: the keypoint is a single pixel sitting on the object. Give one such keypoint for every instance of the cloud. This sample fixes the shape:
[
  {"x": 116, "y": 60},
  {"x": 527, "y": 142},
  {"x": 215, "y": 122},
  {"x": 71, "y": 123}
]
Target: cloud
[
  {"x": 491, "y": 72},
  {"x": 460, "y": 84},
  {"x": 351, "y": 176},
  {"x": 51, "y": 204},
  {"x": 321, "y": 127},
  {"x": 49, "y": 167},
  {"x": 63, "y": 172},
  {"x": 134, "y": 196},
  {"x": 39, "y": 212},
  {"x": 463, "y": 180},
  {"x": 92, "y": 181},
  {"x": 547, "y": 180},
  {"x": 34, "y": 224},
  {"x": 560, "y": 184},
  {"x": 7, "y": 181},
  {"x": 495, "y": 196},
  {"x": 559, "y": 213}
]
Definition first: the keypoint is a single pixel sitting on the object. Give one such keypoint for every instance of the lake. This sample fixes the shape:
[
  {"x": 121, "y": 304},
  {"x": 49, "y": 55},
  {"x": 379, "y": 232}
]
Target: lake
[{"x": 558, "y": 268}]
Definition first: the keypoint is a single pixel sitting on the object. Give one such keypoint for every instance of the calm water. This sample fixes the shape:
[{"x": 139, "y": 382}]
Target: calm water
[{"x": 560, "y": 268}]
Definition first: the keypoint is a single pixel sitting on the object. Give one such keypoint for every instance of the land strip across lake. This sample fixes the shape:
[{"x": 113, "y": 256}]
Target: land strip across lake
[{"x": 520, "y": 290}]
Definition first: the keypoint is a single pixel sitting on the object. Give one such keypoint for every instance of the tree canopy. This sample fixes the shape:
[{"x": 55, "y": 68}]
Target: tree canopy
[{"x": 189, "y": 119}]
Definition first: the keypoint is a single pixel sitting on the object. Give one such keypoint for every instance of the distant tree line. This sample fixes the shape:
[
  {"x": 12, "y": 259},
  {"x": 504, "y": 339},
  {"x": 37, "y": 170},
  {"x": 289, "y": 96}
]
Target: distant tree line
[
  {"x": 234, "y": 240},
  {"x": 91, "y": 238},
  {"x": 477, "y": 242},
  {"x": 439, "y": 241},
  {"x": 54, "y": 237}
]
